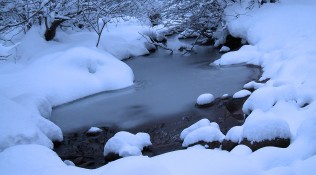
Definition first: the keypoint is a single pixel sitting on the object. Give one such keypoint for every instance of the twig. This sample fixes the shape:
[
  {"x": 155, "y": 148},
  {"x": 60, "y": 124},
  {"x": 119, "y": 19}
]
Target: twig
[{"x": 156, "y": 44}]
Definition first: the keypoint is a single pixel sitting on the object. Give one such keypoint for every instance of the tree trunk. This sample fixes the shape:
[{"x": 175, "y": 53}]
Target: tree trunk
[{"x": 51, "y": 31}]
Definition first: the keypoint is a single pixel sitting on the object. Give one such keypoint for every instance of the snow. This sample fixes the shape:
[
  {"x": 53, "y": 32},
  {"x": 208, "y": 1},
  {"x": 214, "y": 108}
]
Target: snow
[
  {"x": 234, "y": 134},
  {"x": 225, "y": 96},
  {"x": 206, "y": 134},
  {"x": 281, "y": 37},
  {"x": 241, "y": 150},
  {"x": 69, "y": 163},
  {"x": 259, "y": 126},
  {"x": 94, "y": 130},
  {"x": 24, "y": 127},
  {"x": 199, "y": 124},
  {"x": 126, "y": 144},
  {"x": 203, "y": 130},
  {"x": 204, "y": 99},
  {"x": 224, "y": 49},
  {"x": 241, "y": 94},
  {"x": 253, "y": 85}
]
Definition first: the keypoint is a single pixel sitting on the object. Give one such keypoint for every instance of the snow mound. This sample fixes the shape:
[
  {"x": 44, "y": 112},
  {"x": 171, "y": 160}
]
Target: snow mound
[
  {"x": 265, "y": 97},
  {"x": 234, "y": 134},
  {"x": 203, "y": 130},
  {"x": 94, "y": 130},
  {"x": 20, "y": 126},
  {"x": 81, "y": 72},
  {"x": 241, "y": 150},
  {"x": 205, "y": 99},
  {"x": 241, "y": 94},
  {"x": 260, "y": 126},
  {"x": 135, "y": 166},
  {"x": 225, "y": 96},
  {"x": 253, "y": 85},
  {"x": 126, "y": 144},
  {"x": 206, "y": 134},
  {"x": 224, "y": 49},
  {"x": 199, "y": 124}
]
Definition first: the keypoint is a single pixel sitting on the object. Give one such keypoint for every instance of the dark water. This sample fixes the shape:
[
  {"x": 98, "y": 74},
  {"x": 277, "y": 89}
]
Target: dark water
[{"x": 165, "y": 85}]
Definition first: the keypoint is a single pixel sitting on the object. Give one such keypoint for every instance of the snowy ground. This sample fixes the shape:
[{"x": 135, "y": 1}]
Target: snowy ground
[{"x": 282, "y": 38}]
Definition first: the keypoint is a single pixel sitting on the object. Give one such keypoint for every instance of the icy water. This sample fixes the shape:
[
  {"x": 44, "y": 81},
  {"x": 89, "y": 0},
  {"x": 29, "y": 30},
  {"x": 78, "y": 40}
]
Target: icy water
[{"x": 165, "y": 85}]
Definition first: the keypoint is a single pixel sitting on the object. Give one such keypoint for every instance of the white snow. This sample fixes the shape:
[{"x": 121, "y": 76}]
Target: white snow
[
  {"x": 259, "y": 126},
  {"x": 126, "y": 144},
  {"x": 234, "y": 134},
  {"x": 253, "y": 85},
  {"x": 241, "y": 150},
  {"x": 204, "y": 99},
  {"x": 224, "y": 49},
  {"x": 203, "y": 130},
  {"x": 199, "y": 124},
  {"x": 282, "y": 40},
  {"x": 94, "y": 130},
  {"x": 206, "y": 134},
  {"x": 18, "y": 125},
  {"x": 225, "y": 96},
  {"x": 69, "y": 163},
  {"x": 241, "y": 94}
]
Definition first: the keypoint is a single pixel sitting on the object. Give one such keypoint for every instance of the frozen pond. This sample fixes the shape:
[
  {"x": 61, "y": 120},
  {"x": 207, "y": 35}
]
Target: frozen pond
[{"x": 165, "y": 85}]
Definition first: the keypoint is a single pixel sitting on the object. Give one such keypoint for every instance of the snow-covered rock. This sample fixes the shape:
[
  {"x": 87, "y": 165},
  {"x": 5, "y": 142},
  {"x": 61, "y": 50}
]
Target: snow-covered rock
[
  {"x": 224, "y": 49},
  {"x": 260, "y": 126},
  {"x": 234, "y": 134},
  {"x": 205, "y": 134},
  {"x": 241, "y": 94},
  {"x": 126, "y": 144},
  {"x": 224, "y": 96},
  {"x": 205, "y": 99},
  {"x": 199, "y": 124},
  {"x": 201, "y": 131},
  {"x": 94, "y": 130}
]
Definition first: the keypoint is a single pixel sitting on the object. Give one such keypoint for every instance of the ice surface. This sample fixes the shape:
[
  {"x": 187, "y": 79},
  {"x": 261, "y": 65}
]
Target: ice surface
[{"x": 165, "y": 86}]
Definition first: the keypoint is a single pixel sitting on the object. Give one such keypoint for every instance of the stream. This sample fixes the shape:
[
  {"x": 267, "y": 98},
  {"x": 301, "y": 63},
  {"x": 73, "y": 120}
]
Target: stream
[{"x": 165, "y": 86}]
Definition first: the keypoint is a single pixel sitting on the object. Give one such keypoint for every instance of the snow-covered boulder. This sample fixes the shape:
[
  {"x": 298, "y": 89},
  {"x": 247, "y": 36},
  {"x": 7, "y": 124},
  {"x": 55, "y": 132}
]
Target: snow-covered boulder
[
  {"x": 93, "y": 131},
  {"x": 124, "y": 144},
  {"x": 203, "y": 132},
  {"x": 224, "y": 96},
  {"x": 224, "y": 49},
  {"x": 205, "y": 99},
  {"x": 241, "y": 94},
  {"x": 260, "y": 130},
  {"x": 232, "y": 138}
]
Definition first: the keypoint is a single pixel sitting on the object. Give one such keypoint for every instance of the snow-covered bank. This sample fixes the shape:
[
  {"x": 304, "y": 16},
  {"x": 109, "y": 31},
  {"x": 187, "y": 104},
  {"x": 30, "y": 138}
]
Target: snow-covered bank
[
  {"x": 46, "y": 74},
  {"x": 282, "y": 38}
]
